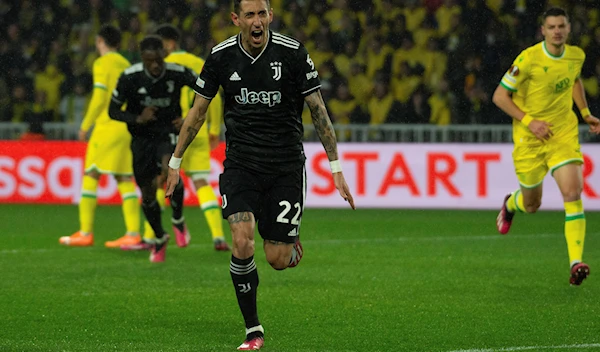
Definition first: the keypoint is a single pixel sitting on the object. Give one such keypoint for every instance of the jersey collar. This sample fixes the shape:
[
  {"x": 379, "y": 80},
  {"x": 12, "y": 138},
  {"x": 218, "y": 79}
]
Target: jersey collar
[
  {"x": 553, "y": 57},
  {"x": 254, "y": 59},
  {"x": 155, "y": 79}
]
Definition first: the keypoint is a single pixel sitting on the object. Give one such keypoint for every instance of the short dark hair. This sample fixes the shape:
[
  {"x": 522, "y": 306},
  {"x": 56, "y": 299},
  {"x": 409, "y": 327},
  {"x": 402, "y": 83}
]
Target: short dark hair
[
  {"x": 151, "y": 42},
  {"x": 168, "y": 31},
  {"x": 554, "y": 12},
  {"x": 237, "y": 6},
  {"x": 111, "y": 35}
]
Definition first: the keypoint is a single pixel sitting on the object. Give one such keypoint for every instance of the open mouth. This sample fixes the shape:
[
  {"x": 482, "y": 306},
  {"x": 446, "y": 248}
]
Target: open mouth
[{"x": 257, "y": 36}]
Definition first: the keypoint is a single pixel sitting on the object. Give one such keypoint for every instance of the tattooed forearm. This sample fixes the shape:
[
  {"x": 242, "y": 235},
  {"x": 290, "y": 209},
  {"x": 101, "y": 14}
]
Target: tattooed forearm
[
  {"x": 240, "y": 217},
  {"x": 322, "y": 123},
  {"x": 189, "y": 136},
  {"x": 191, "y": 125}
]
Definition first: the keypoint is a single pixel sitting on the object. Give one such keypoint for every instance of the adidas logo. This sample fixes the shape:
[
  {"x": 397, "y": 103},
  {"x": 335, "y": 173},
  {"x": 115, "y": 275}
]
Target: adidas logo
[
  {"x": 293, "y": 233},
  {"x": 235, "y": 77},
  {"x": 142, "y": 90}
]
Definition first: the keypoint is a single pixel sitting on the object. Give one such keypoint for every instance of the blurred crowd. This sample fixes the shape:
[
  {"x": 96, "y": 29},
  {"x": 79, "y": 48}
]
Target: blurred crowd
[{"x": 380, "y": 61}]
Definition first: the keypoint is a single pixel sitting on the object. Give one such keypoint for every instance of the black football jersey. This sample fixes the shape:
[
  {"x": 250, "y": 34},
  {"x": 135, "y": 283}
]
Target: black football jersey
[
  {"x": 138, "y": 89},
  {"x": 264, "y": 97}
]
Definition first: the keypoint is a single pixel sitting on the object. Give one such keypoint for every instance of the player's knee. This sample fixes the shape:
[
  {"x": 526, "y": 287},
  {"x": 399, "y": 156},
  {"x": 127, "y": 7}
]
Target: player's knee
[
  {"x": 278, "y": 256},
  {"x": 571, "y": 196},
  {"x": 243, "y": 247},
  {"x": 278, "y": 262},
  {"x": 93, "y": 173},
  {"x": 123, "y": 178}
]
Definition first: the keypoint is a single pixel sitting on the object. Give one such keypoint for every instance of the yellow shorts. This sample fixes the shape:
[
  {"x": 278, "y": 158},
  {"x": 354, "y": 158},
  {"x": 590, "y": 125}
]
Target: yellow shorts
[
  {"x": 109, "y": 150},
  {"x": 533, "y": 162},
  {"x": 196, "y": 160}
]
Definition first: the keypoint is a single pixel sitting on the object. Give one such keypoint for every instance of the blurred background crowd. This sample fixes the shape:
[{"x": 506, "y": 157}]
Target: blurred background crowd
[{"x": 380, "y": 61}]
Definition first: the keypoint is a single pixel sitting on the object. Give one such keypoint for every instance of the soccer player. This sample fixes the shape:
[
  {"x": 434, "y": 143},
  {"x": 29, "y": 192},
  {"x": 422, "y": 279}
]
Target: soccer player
[
  {"x": 266, "y": 77},
  {"x": 538, "y": 92},
  {"x": 197, "y": 161},
  {"x": 108, "y": 148},
  {"x": 152, "y": 91}
]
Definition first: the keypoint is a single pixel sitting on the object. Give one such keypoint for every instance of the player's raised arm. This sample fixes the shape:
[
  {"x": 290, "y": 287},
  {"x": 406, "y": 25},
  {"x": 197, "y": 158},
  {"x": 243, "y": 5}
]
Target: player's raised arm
[
  {"x": 324, "y": 128},
  {"x": 191, "y": 125}
]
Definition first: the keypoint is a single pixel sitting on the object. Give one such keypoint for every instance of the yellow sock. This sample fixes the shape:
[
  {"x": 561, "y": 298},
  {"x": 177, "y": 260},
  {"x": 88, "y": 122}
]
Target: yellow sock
[
  {"x": 148, "y": 231},
  {"x": 212, "y": 211},
  {"x": 574, "y": 230},
  {"x": 87, "y": 204},
  {"x": 131, "y": 206},
  {"x": 160, "y": 197},
  {"x": 515, "y": 202}
]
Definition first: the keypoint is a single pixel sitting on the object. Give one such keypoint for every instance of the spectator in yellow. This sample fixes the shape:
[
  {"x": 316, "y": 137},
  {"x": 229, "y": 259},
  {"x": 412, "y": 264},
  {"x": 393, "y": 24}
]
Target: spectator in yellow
[
  {"x": 439, "y": 102},
  {"x": 342, "y": 104},
  {"x": 361, "y": 87},
  {"x": 379, "y": 57},
  {"x": 381, "y": 103},
  {"x": 404, "y": 83},
  {"x": 49, "y": 82},
  {"x": 444, "y": 15}
]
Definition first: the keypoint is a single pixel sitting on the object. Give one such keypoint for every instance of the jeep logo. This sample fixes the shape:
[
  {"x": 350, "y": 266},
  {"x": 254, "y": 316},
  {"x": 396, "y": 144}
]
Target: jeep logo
[
  {"x": 267, "y": 98},
  {"x": 158, "y": 102}
]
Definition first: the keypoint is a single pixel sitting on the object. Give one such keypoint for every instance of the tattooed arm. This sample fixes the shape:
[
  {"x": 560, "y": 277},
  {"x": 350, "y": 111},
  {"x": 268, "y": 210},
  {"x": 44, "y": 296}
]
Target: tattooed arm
[
  {"x": 322, "y": 123},
  {"x": 191, "y": 125},
  {"x": 324, "y": 128}
]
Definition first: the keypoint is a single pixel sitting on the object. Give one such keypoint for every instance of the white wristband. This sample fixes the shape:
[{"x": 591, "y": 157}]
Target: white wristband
[
  {"x": 174, "y": 163},
  {"x": 335, "y": 166}
]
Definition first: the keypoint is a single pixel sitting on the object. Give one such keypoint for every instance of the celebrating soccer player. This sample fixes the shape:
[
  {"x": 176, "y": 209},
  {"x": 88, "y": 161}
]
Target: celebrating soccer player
[
  {"x": 538, "y": 92},
  {"x": 152, "y": 91},
  {"x": 108, "y": 148},
  {"x": 266, "y": 77}
]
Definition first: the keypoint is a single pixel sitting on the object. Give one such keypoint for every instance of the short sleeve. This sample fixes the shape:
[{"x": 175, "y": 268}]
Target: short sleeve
[
  {"x": 119, "y": 94},
  {"x": 207, "y": 83},
  {"x": 189, "y": 78},
  {"x": 100, "y": 75},
  {"x": 517, "y": 73},
  {"x": 306, "y": 76}
]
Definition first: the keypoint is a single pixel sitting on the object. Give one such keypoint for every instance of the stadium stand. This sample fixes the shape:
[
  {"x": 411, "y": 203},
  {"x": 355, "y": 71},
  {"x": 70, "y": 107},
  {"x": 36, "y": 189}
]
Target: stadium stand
[{"x": 391, "y": 65}]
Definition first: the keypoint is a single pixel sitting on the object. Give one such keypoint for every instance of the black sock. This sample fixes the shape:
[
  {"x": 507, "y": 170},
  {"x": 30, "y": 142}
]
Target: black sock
[
  {"x": 245, "y": 281},
  {"x": 177, "y": 202},
  {"x": 152, "y": 213}
]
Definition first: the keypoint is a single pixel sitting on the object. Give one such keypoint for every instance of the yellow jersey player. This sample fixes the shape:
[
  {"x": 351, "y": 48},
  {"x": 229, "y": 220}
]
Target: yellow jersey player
[
  {"x": 538, "y": 92},
  {"x": 108, "y": 149},
  {"x": 197, "y": 161}
]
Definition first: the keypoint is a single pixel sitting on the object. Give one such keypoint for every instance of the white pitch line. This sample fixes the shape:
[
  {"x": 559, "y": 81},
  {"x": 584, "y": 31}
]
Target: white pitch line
[
  {"x": 491, "y": 237},
  {"x": 527, "y": 348}
]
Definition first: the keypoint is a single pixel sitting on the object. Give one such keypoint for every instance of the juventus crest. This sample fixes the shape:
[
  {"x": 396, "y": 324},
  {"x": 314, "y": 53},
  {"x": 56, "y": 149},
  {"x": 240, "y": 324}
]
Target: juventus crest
[{"x": 276, "y": 66}]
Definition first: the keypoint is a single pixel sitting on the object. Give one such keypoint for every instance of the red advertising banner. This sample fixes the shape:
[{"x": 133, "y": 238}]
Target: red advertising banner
[
  {"x": 50, "y": 172},
  {"x": 466, "y": 176}
]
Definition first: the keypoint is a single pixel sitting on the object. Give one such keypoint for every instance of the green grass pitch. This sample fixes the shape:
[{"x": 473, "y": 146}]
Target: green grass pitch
[{"x": 370, "y": 280}]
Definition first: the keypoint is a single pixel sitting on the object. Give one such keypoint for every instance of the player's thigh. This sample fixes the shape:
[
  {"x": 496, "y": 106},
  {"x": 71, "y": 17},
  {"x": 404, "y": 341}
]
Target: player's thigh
[
  {"x": 283, "y": 206},
  {"x": 530, "y": 165},
  {"x": 197, "y": 157},
  {"x": 146, "y": 165},
  {"x": 240, "y": 192},
  {"x": 565, "y": 162}
]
